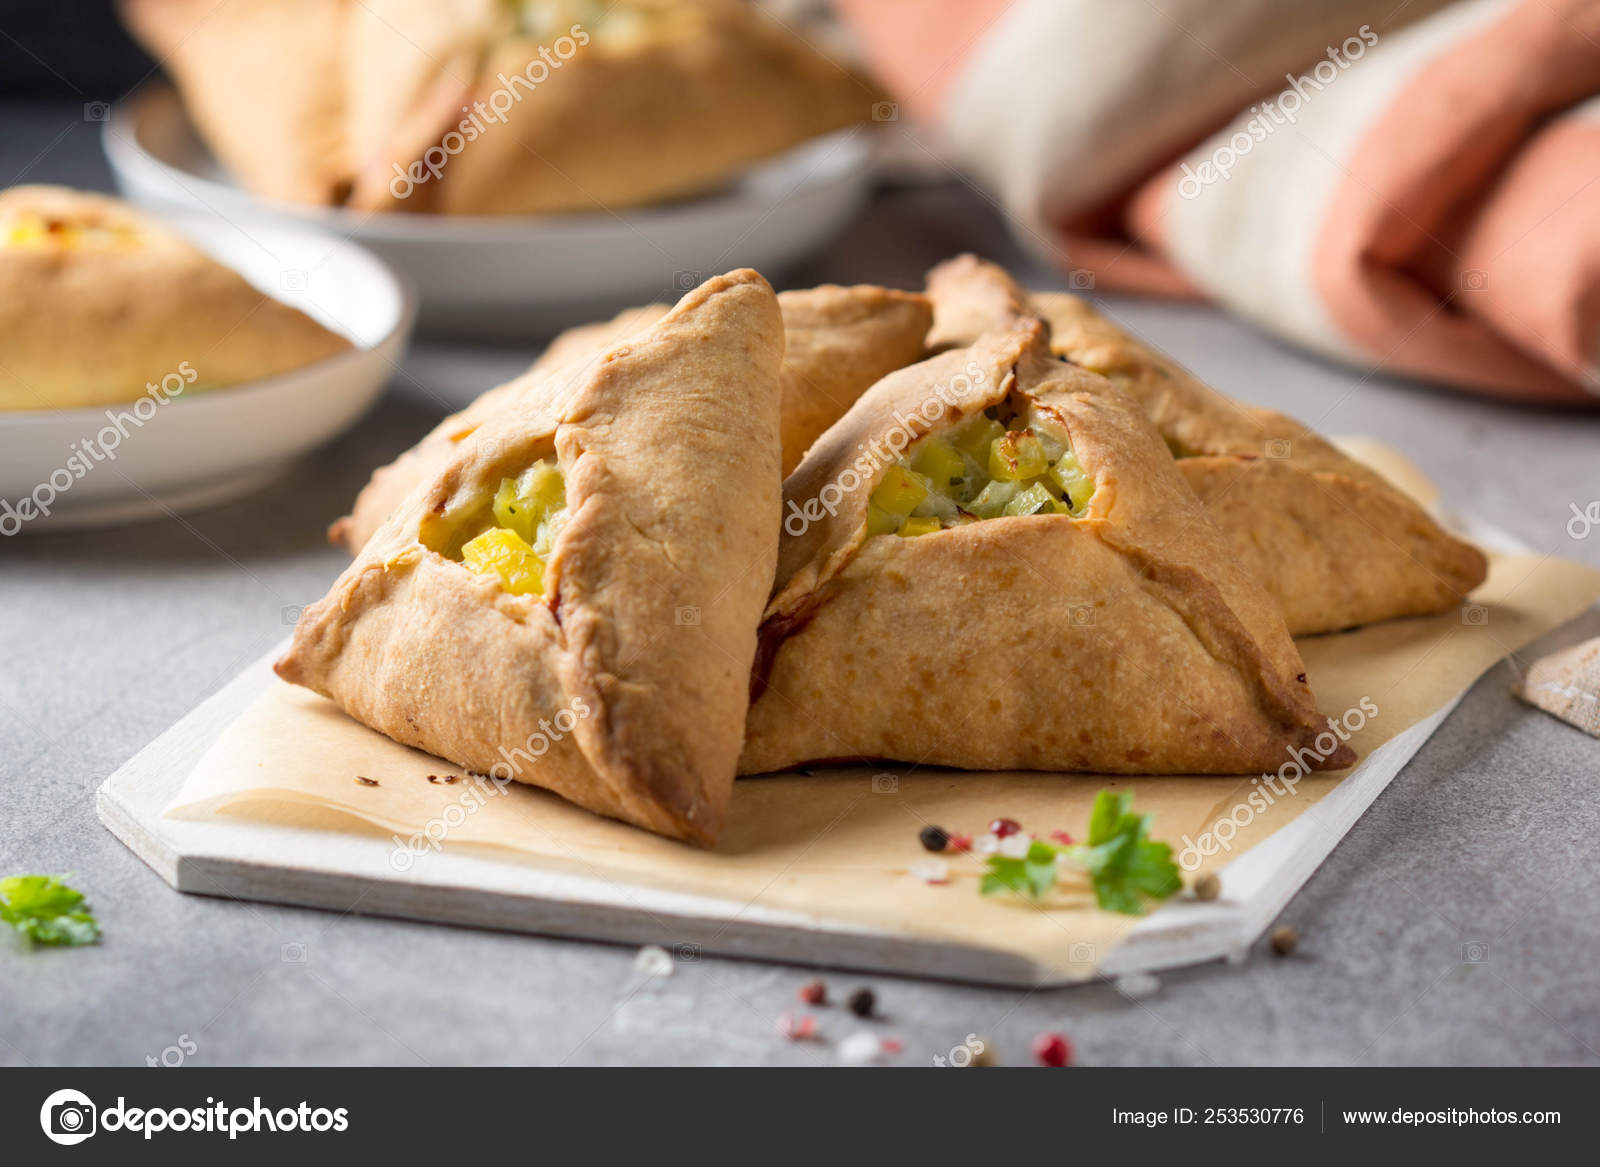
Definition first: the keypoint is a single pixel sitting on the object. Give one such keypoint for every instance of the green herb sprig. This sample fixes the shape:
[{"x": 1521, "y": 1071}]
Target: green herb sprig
[
  {"x": 1124, "y": 866},
  {"x": 46, "y": 910}
]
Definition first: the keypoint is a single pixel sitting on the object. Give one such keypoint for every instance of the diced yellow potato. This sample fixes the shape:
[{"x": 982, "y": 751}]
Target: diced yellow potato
[
  {"x": 530, "y": 503},
  {"x": 543, "y": 486},
  {"x": 939, "y": 461},
  {"x": 974, "y": 436},
  {"x": 1017, "y": 457},
  {"x": 991, "y": 500},
  {"x": 512, "y": 513},
  {"x": 1079, "y": 491},
  {"x": 919, "y": 526},
  {"x": 880, "y": 521},
  {"x": 502, "y": 552},
  {"x": 900, "y": 491},
  {"x": 1030, "y": 501}
]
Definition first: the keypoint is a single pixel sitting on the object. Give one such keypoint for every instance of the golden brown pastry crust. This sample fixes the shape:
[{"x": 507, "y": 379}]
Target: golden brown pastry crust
[
  {"x": 319, "y": 100},
  {"x": 566, "y": 361},
  {"x": 97, "y": 324},
  {"x": 839, "y": 341},
  {"x": 1334, "y": 542},
  {"x": 1124, "y": 641},
  {"x": 264, "y": 83},
  {"x": 655, "y": 585},
  {"x": 705, "y": 89}
]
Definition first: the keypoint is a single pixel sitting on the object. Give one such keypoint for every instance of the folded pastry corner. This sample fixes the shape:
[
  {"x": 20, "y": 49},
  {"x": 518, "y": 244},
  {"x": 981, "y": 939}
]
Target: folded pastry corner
[
  {"x": 263, "y": 82},
  {"x": 1334, "y": 542},
  {"x": 99, "y": 302},
  {"x": 991, "y": 563},
  {"x": 571, "y": 601},
  {"x": 838, "y": 342}
]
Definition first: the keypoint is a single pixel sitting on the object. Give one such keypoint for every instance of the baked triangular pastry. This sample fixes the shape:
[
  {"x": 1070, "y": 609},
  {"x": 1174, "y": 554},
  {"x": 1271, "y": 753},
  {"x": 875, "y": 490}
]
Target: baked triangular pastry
[
  {"x": 263, "y": 82},
  {"x": 1566, "y": 684},
  {"x": 570, "y": 106},
  {"x": 493, "y": 108},
  {"x": 1335, "y": 543},
  {"x": 838, "y": 341},
  {"x": 572, "y": 600},
  {"x": 98, "y": 304},
  {"x": 1094, "y": 622}
]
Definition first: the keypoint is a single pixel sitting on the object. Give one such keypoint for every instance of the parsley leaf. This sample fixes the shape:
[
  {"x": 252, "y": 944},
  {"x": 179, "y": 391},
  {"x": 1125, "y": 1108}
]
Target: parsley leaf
[
  {"x": 1125, "y": 867},
  {"x": 46, "y": 910}
]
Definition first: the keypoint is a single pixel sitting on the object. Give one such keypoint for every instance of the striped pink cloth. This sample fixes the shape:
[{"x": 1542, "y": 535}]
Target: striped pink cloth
[{"x": 1411, "y": 187}]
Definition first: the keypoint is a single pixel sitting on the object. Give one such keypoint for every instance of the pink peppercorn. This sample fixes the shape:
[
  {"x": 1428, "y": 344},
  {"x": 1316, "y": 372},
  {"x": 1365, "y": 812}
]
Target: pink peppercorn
[
  {"x": 799, "y": 1028},
  {"x": 814, "y": 993},
  {"x": 1052, "y": 1049},
  {"x": 1000, "y": 828},
  {"x": 1062, "y": 837},
  {"x": 960, "y": 842}
]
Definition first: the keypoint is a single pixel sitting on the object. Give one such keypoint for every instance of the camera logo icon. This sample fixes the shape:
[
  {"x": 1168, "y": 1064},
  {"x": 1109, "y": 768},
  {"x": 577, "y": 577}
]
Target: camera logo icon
[
  {"x": 68, "y": 1117},
  {"x": 885, "y": 111}
]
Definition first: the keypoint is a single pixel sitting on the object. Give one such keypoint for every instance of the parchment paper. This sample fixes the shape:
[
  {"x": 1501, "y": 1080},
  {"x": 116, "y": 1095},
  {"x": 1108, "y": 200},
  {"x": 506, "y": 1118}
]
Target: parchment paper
[{"x": 839, "y": 844}]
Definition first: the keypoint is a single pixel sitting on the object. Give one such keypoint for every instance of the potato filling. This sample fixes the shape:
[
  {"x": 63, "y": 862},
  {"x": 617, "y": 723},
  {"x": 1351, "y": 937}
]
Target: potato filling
[
  {"x": 32, "y": 232},
  {"x": 529, "y": 512},
  {"x": 981, "y": 468}
]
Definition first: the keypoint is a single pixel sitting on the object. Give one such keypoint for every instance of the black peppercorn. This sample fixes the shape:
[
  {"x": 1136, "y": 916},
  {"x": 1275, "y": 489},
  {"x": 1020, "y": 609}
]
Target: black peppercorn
[
  {"x": 934, "y": 838},
  {"x": 862, "y": 1002}
]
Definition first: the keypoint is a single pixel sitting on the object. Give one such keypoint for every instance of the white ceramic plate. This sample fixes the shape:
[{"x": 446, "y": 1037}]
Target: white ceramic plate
[
  {"x": 526, "y": 276},
  {"x": 210, "y": 447}
]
